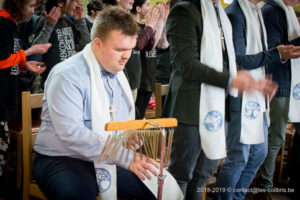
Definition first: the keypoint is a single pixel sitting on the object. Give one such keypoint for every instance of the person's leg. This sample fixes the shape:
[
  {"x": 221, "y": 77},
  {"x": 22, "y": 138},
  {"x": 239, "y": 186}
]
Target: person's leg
[
  {"x": 278, "y": 114},
  {"x": 294, "y": 164},
  {"x": 236, "y": 160},
  {"x": 257, "y": 155},
  {"x": 65, "y": 178},
  {"x": 129, "y": 186},
  {"x": 204, "y": 169},
  {"x": 184, "y": 154},
  {"x": 4, "y": 143},
  {"x": 142, "y": 101}
]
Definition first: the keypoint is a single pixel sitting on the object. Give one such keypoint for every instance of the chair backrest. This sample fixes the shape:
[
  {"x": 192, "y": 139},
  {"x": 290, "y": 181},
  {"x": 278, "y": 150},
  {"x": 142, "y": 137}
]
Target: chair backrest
[
  {"x": 29, "y": 102},
  {"x": 160, "y": 91}
]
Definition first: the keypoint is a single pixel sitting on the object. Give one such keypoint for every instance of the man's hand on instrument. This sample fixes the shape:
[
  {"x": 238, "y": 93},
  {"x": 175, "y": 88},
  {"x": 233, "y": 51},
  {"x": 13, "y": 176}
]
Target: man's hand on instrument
[
  {"x": 141, "y": 165},
  {"x": 134, "y": 142}
]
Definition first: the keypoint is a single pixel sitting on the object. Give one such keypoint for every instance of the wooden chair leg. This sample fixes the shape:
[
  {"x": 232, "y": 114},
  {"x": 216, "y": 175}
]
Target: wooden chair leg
[
  {"x": 19, "y": 160},
  {"x": 25, "y": 191},
  {"x": 204, "y": 192}
]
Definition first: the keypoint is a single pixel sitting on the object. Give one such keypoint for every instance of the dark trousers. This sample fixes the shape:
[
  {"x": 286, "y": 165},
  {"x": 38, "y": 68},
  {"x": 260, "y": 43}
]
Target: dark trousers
[
  {"x": 142, "y": 101},
  {"x": 189, "y": 165},
  {"x": 69, "y": 178},
  {"x": 4, "y": 144},
  {"x": 294, "y": 165},
  {"x": 279, "y": 108}
]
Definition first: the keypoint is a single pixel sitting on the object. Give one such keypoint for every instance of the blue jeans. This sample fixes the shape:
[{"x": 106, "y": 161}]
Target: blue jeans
[
  {"x": 71, "y": 179},
  {"x": 189, "y": 165},
  {"x": 242, "y": 161}
]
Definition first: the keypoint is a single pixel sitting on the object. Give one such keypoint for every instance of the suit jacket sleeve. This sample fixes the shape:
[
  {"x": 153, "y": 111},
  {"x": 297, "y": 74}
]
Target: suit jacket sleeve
[
  {"x": 184, "y": 36},
  {"x": 277, "y": 26},
  {"x": 244, "y": 61}
]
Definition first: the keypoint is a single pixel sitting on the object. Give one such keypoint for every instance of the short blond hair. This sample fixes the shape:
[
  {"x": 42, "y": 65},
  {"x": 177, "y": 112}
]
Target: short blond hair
[{"x": 113, "y": 18}]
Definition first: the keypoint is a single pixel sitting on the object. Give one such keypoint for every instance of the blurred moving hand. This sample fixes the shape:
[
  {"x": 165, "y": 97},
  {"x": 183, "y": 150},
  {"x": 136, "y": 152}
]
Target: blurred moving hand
[
  {"x": 38, "y": 49},
  {"x": 35, "y": 67},
  {"x": 288, "y": 52}
]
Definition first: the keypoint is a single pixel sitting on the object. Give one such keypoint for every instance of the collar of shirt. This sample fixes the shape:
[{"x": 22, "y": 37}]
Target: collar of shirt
[
  {"x": 89, "y": 18},
  {"x": 255, "y": 9},
  {"x": 106, "y": 73}
]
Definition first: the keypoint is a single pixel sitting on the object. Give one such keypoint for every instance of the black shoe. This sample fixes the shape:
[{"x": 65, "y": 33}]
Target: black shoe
[{"x": 262, "y": 196}]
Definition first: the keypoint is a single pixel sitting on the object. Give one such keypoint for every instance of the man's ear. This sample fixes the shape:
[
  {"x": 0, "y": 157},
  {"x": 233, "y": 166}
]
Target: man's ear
[{"x": 98, "y": 43}]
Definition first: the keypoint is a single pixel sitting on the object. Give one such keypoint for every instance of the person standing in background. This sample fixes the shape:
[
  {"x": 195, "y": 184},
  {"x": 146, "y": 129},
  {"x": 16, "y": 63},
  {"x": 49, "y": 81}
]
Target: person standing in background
[
  {"x": 247, "y": 136},
  {"x": 93, "y": 9},
  {"x": 148, "y": 57},
  {"x": 203, "y": 73},
  {"x": 67, "y": 36},
  {"x": 12, "y": 58},
  {"x": 282, "y": 28}
]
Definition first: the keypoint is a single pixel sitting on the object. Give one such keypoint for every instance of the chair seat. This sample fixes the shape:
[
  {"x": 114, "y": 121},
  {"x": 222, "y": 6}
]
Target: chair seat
[
  {"x": 150, "y": 113},
  {"x": 34, "y": 190}
]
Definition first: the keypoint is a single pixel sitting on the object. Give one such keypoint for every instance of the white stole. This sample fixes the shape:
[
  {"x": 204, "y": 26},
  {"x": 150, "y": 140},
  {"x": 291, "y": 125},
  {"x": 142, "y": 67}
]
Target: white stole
[
  {"x": 228, "y": 1},
  {"x": 212, "y": 99},
  {"x": 253, "y": 104},
  {"x": 293, "y": 32},
  {"x": 106, "y": 173},
  {"x": 170, "y": 190}
]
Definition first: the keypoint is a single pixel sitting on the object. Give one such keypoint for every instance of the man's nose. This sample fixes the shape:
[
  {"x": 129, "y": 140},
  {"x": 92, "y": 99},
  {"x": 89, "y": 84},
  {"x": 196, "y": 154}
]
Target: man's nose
[{"x": 126, "y": 54}]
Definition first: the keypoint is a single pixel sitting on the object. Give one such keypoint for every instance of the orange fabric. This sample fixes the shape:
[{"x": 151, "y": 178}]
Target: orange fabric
[
  {"x": 14, "y": 59},
  {"x": 5, "y": 14}
]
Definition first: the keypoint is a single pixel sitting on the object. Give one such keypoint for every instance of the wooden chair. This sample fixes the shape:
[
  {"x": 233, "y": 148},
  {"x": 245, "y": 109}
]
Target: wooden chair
[
  {"x": 15, "y": 129},
  {"x": 285, "y": 151},
  {"x": 149, "y": 114},
  {"x": 160, "y": 91},
  {"x": 29, "y": 102}
]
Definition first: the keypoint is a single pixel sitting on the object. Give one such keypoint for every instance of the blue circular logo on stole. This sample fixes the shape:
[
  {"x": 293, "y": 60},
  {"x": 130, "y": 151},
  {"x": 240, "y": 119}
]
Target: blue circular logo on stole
[
  {"x": 213, "y": 121},
  {"x": 104, "y": 179},
  {"x": 252, "y": 110},
  {"x": 296, "y": 91}
]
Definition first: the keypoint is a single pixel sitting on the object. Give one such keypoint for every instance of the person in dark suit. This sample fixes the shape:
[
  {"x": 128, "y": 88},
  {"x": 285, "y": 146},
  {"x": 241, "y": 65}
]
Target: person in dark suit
[
  {"x": 277, "y": 33},
  {"x": 189, "y": 164},
  {"x": 243, "y": 160}
]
